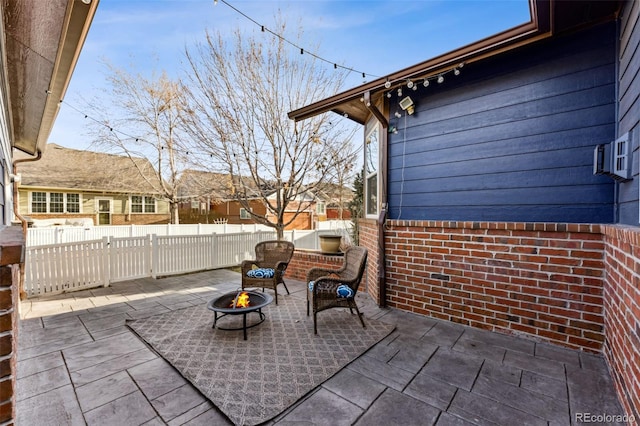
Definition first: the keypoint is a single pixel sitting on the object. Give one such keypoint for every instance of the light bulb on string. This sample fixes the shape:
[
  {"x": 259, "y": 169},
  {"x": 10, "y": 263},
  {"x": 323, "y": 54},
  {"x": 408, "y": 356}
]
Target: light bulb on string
[
  {"x": 440, "y": 79},
  {"x": 387, "y": 84},
  {"x": 410, "y": 84},
  {"x": 426, "y": 83},
  {"x": 399, "y": 91},
  {"x": 456, "y": 71}
]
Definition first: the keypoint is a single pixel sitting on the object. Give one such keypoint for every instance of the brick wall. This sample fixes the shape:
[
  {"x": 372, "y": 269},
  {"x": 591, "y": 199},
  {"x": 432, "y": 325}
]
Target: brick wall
[
  {"x": 140, "y": 219},
  {"x": 369, "y": 236},
  {"x": 545, "y": 280},
  {"x": 622, "y": 312},
  {"x": 577, "y": 285},
  {"x": 303, "y": 260},
  {"x": 11, "y": 255}
]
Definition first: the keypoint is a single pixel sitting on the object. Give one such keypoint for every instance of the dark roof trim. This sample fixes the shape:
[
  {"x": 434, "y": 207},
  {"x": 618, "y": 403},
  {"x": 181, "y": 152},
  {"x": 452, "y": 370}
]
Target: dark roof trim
[{"x": 543, "y": 24}]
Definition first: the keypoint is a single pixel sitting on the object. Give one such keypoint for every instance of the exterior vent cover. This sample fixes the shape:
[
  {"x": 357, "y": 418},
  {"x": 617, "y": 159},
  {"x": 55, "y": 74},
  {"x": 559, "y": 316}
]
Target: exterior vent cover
[
  {"x": 613, "y": 159},
  {"x": 620, "y": 163}
]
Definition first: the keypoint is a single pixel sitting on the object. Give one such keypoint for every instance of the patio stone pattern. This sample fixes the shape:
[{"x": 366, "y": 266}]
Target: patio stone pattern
[
  {"x": 253, "y": 380},
  {"x": 407, "y": 378}
]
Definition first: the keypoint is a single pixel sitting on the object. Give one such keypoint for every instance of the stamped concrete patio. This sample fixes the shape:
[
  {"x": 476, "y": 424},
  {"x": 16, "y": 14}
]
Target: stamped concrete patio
[{"x": 79, "y": 364}]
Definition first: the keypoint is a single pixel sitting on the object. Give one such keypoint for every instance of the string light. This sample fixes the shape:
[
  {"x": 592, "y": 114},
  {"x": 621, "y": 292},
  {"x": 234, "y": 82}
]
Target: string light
[{"x": 282, "y": 38}]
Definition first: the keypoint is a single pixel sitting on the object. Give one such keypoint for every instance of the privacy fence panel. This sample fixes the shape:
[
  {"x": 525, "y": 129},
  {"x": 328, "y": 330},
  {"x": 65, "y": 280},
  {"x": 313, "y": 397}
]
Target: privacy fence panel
[
  {"x": 60, "y": 268},
  {"x": 63, "y": 267},
  {"x": 232, "y": 249},
  {"x": 129, "y": 258},
  {"x": 68, "y": 234},
  {"x": 180, "y": 254}
]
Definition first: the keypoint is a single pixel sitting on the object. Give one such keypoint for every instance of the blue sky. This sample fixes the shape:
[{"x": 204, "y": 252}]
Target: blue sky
[{"x": 376, "y": 37}]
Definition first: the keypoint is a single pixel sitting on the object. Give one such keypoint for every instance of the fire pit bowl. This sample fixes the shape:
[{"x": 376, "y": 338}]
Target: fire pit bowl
[{"x": 229, "y": 304}]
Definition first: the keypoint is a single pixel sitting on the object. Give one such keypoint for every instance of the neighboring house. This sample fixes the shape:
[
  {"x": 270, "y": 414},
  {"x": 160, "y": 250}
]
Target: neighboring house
[
  {"x": 69, "y": 187},
  {"x": 334, "y": 204},
  {"x": 39, "y": 48},
  {"x": 210, "y": 198},
  {"x": 482, "y": 205},
  {"x": 200, "y": 191}
]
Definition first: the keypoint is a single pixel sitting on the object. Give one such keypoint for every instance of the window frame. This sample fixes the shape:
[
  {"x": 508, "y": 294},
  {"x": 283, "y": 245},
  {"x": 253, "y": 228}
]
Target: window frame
[
  {"x": 47, "y": 202},
  {"x": 372, "y": 211},
  {"x": 244, "y": 213},
  {"x": 146, "y": 202}
]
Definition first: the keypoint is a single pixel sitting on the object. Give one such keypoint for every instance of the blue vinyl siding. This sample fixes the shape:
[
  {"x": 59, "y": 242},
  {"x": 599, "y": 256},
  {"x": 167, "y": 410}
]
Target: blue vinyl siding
[
  {"x": 511, "y": 138},
  {"x": 629, "y": 107}
]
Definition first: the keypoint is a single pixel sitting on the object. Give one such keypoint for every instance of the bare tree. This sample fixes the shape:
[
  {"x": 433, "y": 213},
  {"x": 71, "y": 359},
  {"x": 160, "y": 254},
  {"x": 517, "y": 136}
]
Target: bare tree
[
  {"x": 150, "y": 112},
  {"x": 240, "y": 91}
]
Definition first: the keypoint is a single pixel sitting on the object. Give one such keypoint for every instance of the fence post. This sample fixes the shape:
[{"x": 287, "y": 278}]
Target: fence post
[
  {"x": 199, "y": 229},
  {"x": 214, "y": 251},
  {"x": 155, "y": 256},
  {"x": 106, "y": 260}
]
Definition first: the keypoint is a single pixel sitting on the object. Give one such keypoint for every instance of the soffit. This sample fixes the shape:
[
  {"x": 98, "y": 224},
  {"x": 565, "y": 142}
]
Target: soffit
[
  {"x": 42, "y": 41},
  {"x": 547, "y": 17}
]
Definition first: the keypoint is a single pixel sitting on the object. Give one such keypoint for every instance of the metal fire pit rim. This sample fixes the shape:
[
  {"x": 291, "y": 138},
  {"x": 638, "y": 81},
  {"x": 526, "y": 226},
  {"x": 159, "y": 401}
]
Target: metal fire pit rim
[{"x": 265, "y": 297}]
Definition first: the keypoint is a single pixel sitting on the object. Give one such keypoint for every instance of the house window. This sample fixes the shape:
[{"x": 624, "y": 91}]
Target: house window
[
  {"x": 136, "y": 204},
  {"x": 244, "y": 214},
  {"x": 140, "y": 204},
  {"x": 73, "y": 203},
  {"x": 371, "y": 171},
  {"x": 55, "y": 202},
  {"x": 321, "y": 208},
  {"x": 149, "y": 205},
  {"x": 38, "y": 202}
]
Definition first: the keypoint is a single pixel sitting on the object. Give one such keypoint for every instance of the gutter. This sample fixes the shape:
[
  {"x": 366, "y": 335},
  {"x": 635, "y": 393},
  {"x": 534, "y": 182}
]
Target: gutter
[
  {"x": 382, "y": 258},
  {"x": 15, "y": 190},
  {"x": 16, "y": 212}
]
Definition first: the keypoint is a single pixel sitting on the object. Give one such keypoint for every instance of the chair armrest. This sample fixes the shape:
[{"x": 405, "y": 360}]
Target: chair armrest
[
  {"x": 327, "y": 285},
  {"x": 246, "y": 266},
  {"x": 281, "y": 266},
  {"x": 316, "y": 273}
]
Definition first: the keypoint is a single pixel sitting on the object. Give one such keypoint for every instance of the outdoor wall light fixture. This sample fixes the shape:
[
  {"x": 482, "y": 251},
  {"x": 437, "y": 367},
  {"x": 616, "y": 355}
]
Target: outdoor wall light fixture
[{"x": 407, "y": 105}]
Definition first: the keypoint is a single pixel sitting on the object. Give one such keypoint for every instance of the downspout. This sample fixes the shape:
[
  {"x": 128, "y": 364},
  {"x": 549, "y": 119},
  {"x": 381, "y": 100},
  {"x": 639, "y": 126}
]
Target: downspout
[
  {"x": 382, "y": 259},
  {"x": 21, "y": 218}
]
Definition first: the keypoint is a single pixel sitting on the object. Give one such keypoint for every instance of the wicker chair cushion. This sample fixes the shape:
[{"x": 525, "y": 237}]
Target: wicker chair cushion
[
  {"x": 342, "y": 291},
  {"x": 261, "y": 273}
]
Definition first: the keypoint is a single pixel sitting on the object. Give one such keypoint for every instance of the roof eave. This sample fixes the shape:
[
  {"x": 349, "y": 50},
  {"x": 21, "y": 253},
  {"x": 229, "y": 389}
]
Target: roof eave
[
  {"x": 350, "y": 100},
  {"x": 39, "y": 69}
]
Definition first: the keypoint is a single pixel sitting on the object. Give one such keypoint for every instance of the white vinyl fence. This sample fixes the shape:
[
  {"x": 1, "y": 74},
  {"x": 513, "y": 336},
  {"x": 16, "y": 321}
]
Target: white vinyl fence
[
  {"x": 110, "y": 257},
  {"x": 71, "y": 234},
  {"x": 59, "y": 268}
]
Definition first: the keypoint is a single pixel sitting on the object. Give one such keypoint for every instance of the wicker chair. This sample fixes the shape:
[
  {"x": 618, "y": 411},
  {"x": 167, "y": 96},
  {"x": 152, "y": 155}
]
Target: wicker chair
[
  {"x": 267, "y": 269},
  {"x": 336, "y": 288}
]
